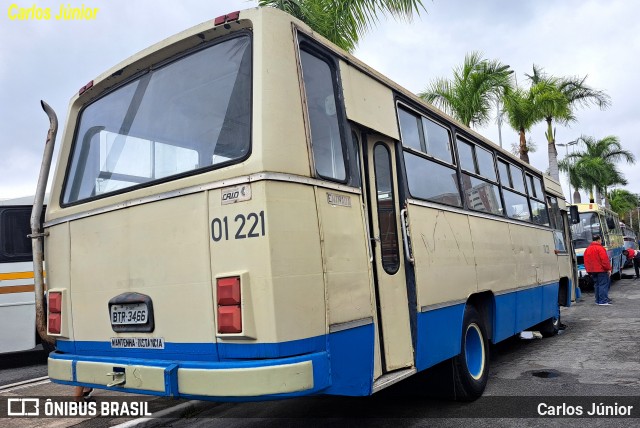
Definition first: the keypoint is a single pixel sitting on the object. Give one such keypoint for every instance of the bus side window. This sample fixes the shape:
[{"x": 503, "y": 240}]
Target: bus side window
[
  {"x": 326, "y": 141},
  {"x": 389, "y": 246},
  {"x": 14, "y": 228},
  {"x": 557, "y": 223}
]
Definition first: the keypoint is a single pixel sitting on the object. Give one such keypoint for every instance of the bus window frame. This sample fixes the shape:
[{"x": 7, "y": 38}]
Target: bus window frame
[
  {"x": 508, "y": 187},
  {"x": 157, "y": 65},
  {"x": 21, "y": 257},
  {"x": 402, "y": 148},
  {"x": 395, "y": 202},
  {"x": 540, "y": 199},
  {"x": 476, "y": 173},
  {"x": 308, "y": 45},
  {"x": 456, "y": 132}
]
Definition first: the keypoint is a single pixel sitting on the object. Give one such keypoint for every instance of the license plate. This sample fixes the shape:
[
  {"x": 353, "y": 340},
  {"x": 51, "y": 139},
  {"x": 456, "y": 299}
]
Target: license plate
[{"x": 129, "y": 314}]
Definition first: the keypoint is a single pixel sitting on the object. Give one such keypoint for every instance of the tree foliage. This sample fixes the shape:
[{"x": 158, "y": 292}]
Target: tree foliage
[
  {"x": 595, "y": 166},
  {"x": 557, "y": 99},
  {"x": 344, "y": 21},
  {"x": 476, "y": 86},
  {"x": 622, "y": 201}
]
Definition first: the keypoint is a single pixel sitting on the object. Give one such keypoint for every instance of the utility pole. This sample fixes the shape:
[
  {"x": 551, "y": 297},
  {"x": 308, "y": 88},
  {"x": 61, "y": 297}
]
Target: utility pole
[{"x": 499, "y": 122}]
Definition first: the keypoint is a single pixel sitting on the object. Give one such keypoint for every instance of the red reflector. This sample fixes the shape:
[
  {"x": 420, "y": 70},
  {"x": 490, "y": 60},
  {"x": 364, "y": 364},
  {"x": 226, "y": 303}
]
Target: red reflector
[
  {"x": 55, "y": 320},
  {"x": 85, "y": 87},
  {"x": 55, "y": 303},
  {"x": 228, "y": 291},
  {"x": 233, "y": 16},
  {"x": 229, "y": 319}
]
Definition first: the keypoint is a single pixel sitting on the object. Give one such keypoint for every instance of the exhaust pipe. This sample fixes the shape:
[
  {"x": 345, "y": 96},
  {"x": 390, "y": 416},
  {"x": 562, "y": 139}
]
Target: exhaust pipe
[{"x": 37, "y": 235}]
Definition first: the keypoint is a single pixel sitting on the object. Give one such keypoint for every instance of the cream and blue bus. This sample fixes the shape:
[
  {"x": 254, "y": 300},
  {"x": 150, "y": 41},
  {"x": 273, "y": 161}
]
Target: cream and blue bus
[
  {"x": 599, "y": 220},
  {"x": 244, "y": 211}
]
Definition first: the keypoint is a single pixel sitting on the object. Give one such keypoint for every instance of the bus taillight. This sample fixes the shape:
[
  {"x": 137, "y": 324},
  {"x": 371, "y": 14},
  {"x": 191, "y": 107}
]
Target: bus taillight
[
  {"x": 55, "y": 312},
  {"x": 229, "y": 307}
]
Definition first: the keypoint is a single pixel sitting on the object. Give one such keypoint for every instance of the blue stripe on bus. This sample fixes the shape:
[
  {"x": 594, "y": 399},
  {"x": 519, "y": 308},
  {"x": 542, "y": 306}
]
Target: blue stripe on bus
[
  {"x": 532, "y": 306},
  {"x": 272, "y": 350},
  {"x": 171, "y": 351},
  {"x": 351, "y": 353},
  {"x": 438, "y": 335},
  {"x": 439, "y": 330},
  {"x": 201, "y": 351}
]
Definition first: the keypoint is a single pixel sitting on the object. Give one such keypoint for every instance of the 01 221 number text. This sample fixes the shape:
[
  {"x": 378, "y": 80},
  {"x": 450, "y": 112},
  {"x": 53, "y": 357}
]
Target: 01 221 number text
[{"x": 250, "y": 226}]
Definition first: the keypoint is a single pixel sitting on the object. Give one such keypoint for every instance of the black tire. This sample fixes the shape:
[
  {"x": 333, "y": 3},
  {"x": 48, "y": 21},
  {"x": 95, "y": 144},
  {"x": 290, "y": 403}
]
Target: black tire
[
  {"x": 471, "y": 366},
  {"x": 586, "y": 283}
]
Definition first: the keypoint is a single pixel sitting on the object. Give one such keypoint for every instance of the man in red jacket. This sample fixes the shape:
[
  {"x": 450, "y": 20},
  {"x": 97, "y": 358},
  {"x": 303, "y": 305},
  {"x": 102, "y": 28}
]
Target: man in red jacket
[{"x": 597, "y": 264}]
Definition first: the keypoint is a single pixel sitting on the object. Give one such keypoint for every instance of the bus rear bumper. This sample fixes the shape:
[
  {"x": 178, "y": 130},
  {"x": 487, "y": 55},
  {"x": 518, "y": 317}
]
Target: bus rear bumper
[{"x": 270, "y": 378}]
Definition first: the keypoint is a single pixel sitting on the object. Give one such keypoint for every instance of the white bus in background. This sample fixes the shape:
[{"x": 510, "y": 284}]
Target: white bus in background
[{"x": 17, "y": 301}]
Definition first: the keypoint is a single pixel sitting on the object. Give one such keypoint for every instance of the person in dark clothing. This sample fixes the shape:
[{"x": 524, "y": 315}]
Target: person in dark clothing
[
  {"x": 633, "y": 255},
  {"x": 597, "y": 264}
]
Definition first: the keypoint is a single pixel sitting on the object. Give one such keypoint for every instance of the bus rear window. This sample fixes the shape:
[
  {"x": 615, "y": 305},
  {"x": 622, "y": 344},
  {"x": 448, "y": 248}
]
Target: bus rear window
[{"x": 188, "y": 116}]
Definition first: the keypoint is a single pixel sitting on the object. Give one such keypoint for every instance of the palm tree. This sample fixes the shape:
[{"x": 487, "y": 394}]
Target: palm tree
[
  {"x": 343, "y": 21},
  {"x": 623, "y": 201},
  {"x": 575, "y": 181},
  {"x": 521, "y": 115},
  {"x": 475, "y": 87},
  {"x": 595, "y": 167},
  {"x": 558, "y": 98}
]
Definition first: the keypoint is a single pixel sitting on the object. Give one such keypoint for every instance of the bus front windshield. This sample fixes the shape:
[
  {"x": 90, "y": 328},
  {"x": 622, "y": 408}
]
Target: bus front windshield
[
  {"x": 584, "y": 231},
  {"x": 184, "y": 117}
]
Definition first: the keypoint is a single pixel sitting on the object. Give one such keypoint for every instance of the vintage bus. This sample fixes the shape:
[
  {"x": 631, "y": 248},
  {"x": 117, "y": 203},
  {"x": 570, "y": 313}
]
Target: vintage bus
[
  {"x": 245, "y": 211},
  {"x": 17, "y": 301},
  {"x": 598, "y": 220}
]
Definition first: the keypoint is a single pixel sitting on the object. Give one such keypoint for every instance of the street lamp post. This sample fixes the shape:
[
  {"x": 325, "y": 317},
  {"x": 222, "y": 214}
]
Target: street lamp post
[{"x": 566, "y": 146}]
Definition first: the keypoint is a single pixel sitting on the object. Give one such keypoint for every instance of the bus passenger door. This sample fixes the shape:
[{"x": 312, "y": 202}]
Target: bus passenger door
[{"x": 388, "y": 258}]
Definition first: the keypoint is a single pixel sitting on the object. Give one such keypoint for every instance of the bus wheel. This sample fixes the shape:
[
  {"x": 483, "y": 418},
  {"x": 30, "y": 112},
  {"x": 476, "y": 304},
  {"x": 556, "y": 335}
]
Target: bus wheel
[{"x": 471, "y": 366}]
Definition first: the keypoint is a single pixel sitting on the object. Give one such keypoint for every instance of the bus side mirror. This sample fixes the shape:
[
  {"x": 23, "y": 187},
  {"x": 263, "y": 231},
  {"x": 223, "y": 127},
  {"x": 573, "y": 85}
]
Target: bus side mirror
[
  {"x": 611, "y": 224},
  {"x": 573, "y": 214}
]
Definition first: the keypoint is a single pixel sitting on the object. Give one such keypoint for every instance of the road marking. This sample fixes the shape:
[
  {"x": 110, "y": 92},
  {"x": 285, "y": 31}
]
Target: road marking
[
  {"x": 174, "y": 412},
  {"x": 24, "y": 384}
]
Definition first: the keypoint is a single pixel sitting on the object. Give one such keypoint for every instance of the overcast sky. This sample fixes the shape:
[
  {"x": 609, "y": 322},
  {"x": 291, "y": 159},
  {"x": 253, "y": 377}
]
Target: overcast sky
[{"x": 51, "y": 60}]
